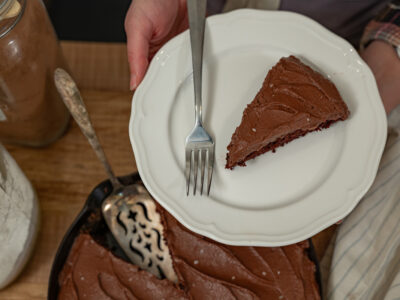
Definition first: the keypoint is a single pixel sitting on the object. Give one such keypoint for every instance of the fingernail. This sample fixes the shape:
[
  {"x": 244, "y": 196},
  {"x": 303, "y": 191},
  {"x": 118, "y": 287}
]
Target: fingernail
[{"x": 133, "y": 83}]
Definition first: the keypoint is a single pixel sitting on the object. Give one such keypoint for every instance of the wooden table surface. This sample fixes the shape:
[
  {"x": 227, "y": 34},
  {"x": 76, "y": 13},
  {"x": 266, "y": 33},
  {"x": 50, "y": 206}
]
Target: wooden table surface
[{"x": 64, "y": 173}]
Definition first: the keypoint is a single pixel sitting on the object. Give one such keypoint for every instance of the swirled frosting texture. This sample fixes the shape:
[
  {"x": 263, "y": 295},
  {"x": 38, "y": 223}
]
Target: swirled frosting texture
[
  {"x": 93, "y": 272},
  {"x": 210, "y": 270},
  {"x": 205, "y": 269},
  {"x": 293, "y": 100}
]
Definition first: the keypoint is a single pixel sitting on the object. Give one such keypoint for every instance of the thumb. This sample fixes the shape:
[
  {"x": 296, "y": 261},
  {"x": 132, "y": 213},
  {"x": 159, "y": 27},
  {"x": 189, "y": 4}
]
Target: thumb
[{"x": 139, "y": 31}]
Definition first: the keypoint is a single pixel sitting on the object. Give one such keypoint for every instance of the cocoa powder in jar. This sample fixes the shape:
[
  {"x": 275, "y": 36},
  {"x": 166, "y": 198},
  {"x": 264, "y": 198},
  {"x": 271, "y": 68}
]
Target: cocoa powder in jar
[{"x": 31, "y": 111}]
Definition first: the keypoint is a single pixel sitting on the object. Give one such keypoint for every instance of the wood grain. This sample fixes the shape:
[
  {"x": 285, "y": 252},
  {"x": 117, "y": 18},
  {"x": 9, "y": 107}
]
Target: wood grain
[
  {"x": 65, "y": 172},
  {"x": 100, "y": 66}
]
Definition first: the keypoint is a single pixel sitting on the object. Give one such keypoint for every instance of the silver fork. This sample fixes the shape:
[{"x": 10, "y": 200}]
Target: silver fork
[{"x": 199, "y": 146}]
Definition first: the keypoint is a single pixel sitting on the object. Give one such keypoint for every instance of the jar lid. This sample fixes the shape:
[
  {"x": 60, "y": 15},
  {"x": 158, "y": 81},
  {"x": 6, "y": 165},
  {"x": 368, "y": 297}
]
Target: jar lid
[
  {"x": 10, "y": 13},
  {"x": 9, "y": 8},
  {"x": 3, "y": 3}
]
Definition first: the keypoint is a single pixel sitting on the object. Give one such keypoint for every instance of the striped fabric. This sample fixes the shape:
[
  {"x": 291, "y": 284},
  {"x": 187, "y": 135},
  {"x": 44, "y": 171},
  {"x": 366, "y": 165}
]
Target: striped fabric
[
  {"x": 382, "y": 31},
  {"x": 363, "y": 260},
  {"x": 385, "y": 27}
]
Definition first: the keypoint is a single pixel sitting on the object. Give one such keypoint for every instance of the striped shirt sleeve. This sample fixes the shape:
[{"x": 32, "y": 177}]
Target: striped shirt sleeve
[{"x": 363, "y": 261}]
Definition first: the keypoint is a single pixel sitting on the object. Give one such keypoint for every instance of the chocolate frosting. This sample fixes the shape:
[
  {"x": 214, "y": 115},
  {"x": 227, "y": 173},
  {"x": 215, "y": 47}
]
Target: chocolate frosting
[
  {"x": 93, "y": 272},
  {"x": 293, "y": 100},
  {"x": 210, "y": 270},
  {"x": 205, "y": 269}
]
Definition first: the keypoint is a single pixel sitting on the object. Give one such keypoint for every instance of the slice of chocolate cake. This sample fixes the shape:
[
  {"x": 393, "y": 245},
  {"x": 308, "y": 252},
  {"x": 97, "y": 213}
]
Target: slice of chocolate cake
[{"x": 293, "y": 100}]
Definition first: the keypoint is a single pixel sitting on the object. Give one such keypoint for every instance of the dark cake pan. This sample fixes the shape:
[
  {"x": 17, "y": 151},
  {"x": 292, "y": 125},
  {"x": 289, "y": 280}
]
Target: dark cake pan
[{"x": 90, "y": 220}]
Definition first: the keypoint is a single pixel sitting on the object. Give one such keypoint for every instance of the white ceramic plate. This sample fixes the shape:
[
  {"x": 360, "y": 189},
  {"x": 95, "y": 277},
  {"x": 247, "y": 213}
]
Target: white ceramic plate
[{"x": 279, "y": 198}]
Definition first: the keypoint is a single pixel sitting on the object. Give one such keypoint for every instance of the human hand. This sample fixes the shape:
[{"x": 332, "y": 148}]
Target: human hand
[
  {"x": 149, "y": 24},
  {"x": 385, "y": 64}
]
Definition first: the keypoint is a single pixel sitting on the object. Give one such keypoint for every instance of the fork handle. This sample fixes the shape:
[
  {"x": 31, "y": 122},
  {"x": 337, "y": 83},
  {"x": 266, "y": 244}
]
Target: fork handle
[{"x": 197, "y": 18}]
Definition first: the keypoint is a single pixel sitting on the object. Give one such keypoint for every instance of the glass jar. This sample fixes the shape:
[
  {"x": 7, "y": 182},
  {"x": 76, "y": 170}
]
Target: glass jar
[
  {"x": 19, "y": 218},
  {"x": 31, "y": 110}
]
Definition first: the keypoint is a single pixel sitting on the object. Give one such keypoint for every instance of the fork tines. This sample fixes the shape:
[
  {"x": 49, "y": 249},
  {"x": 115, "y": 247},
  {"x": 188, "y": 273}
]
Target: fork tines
[{"x": 195, "y": 159}]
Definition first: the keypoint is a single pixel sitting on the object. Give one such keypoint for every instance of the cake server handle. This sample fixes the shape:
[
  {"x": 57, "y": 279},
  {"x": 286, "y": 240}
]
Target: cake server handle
[
  {"x": 197, "y": 19},
  {"x": 69, "y": 92}
]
